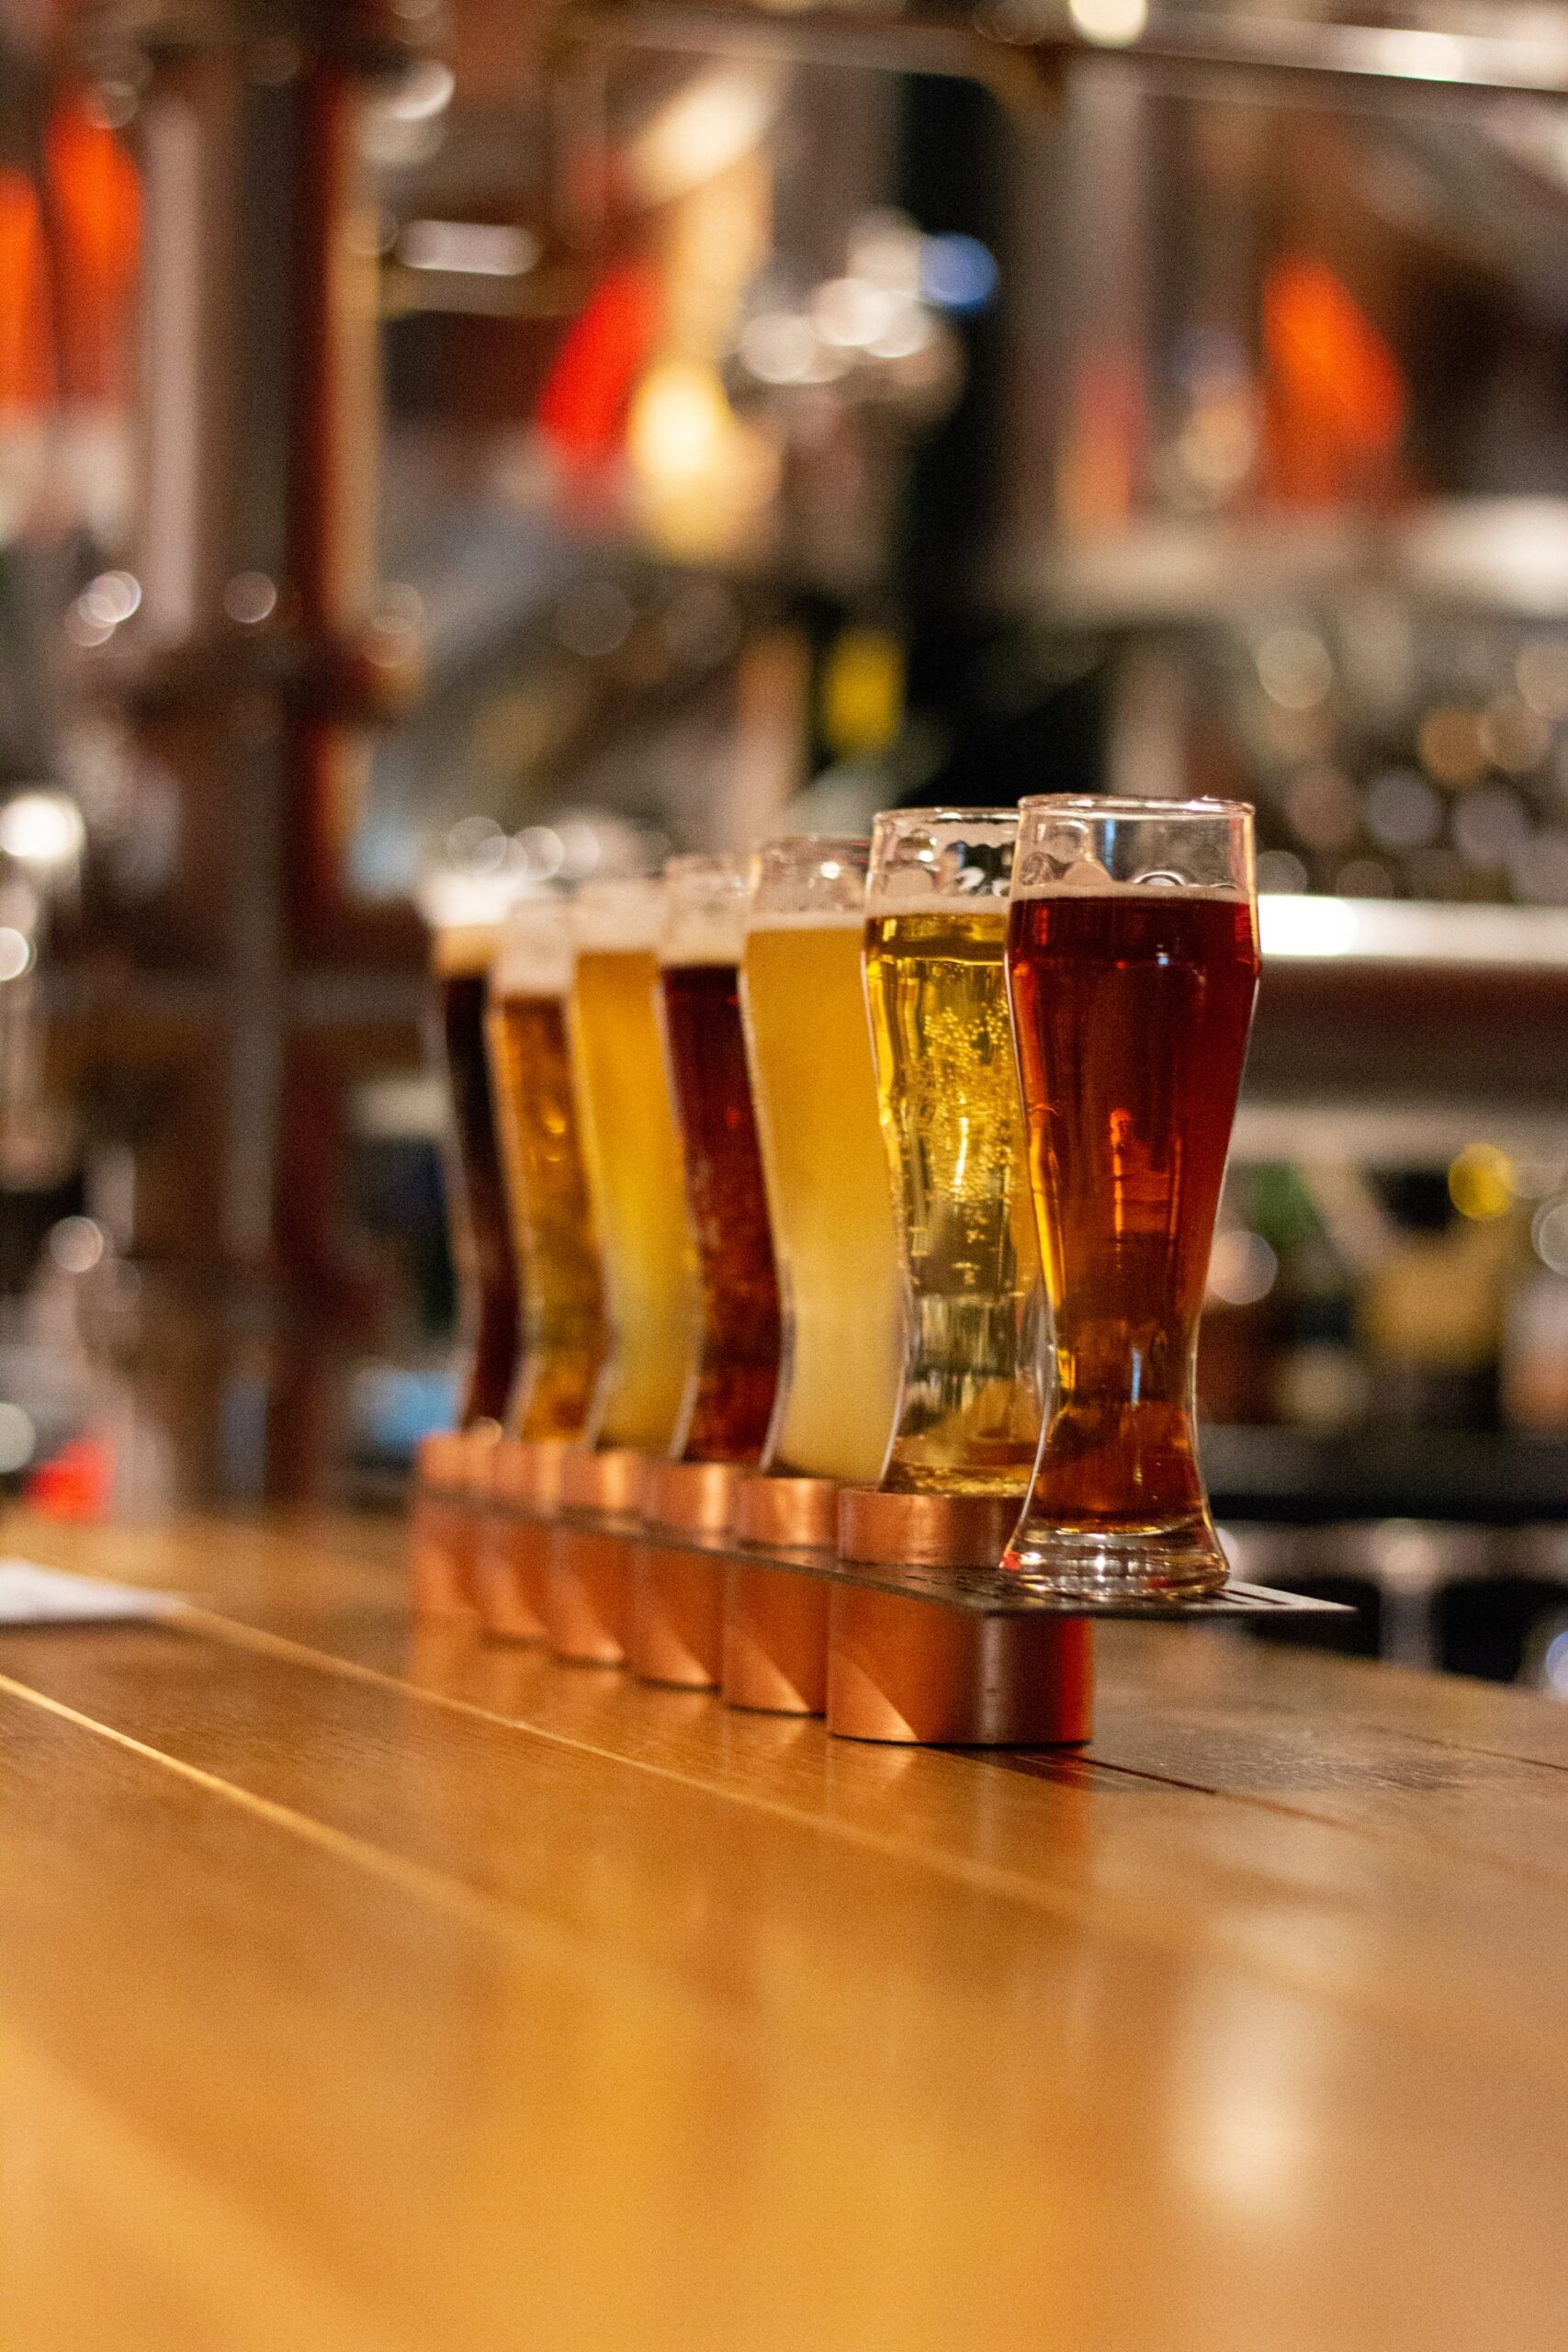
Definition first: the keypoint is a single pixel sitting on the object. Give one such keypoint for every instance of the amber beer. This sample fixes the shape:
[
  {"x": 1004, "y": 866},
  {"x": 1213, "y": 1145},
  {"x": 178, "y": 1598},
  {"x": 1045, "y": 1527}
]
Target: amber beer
[
  {"x": 936, "y": 931},
  {"x": 1133, "y": 962},
  {"x": 464, "y": 951},
  {"x": 729, "y": 1398},
  {"x": 565, "y": 1336}
]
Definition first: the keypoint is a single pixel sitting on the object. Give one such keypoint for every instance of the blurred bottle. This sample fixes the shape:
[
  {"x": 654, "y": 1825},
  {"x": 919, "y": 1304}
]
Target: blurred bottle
[{"x": 1430, "y": 1318}]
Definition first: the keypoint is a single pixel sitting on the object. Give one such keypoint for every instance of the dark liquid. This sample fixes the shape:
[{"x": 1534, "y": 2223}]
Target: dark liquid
[
  {"x": 482, "y": 1236},
  {"x": 1131, "y": 1014},
  {"x": 730, "y": 1402}
]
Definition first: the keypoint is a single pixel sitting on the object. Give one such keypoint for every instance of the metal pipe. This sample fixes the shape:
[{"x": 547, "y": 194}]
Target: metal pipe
[{"x": 1405, "y": 59}]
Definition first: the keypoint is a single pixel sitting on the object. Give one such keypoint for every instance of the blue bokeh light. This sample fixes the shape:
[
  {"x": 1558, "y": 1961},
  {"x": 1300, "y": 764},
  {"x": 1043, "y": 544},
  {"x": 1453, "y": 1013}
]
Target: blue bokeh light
[{"x": 958, "y": 273}]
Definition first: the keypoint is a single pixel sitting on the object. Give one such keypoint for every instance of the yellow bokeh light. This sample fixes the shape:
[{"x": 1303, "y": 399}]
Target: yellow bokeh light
[{"x": 1481, "y": 1183}]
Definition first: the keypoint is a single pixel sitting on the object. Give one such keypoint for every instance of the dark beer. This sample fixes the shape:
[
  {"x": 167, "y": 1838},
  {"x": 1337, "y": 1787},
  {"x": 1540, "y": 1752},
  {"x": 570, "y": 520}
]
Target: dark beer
[
  {"x": 1132, "y": 1006},
  {"x": 731, "y": 1398},
  {"x": 481, "y": 1233}
]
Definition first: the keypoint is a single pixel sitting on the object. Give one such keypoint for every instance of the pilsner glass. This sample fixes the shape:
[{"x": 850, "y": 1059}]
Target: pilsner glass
[
  {"x": 947, "y": 1082},
  {"x": 634, "y": 1163},
  {"x": 466, "y": 916},
  {"x": 1133, "y": 962},
  {"x": 730, "y": 1396},
  {"x": 827, "y": 1176},
  {"x": 564, "y": 1334}
]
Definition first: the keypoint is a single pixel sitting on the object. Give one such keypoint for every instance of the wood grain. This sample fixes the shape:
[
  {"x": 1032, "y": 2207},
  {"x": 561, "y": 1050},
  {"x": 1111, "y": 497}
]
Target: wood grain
[{"x": 361, "y": 1987}]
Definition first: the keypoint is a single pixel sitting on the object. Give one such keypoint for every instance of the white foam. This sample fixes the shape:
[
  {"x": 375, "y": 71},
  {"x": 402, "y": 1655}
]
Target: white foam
[
  {"x": 918, "y": 901},
  {"x": 621, "y": 917},
  {"x": 451, "y": 898},
  {"x": 713, "y": 939},
  {"x": 704, "y": 920},
  {"x": 805, "y": 919},
  {"x": 537, "y": 951}
]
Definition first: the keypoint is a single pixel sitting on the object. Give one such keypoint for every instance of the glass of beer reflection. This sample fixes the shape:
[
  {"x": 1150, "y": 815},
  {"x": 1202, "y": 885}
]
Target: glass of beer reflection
[
  {"x": 826, "y": 1175},
  {"x": 729, "y": 1399},
  {"x": 634, "y": 1163},
  {"x": 1133, "y": 963},
  {"x": 564, "y": 1331},
  {"x": 465, "y": 915},
  {"x": 947, "y": 1082}
]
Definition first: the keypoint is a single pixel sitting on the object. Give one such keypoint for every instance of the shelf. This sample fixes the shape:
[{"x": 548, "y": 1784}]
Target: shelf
[{"x": 1399, "y": 933}]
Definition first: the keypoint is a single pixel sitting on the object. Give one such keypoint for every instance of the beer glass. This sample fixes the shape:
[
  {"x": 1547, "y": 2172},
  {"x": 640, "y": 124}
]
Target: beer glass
[
  {"x": 947, "y": 1084},
  {"x": 564, "y": 1333},
  {"x": 465, "y": 915},
  {"x": 1132, "y": 964},
  {"x": 634, "y": 1163},
  {"x": 826, "y": 1177},
  {"x": 731, "y": 1394}
]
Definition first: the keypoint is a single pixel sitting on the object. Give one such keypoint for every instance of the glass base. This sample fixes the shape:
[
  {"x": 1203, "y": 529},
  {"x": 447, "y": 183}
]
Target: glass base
[{"x": 1177, "y": 1560}]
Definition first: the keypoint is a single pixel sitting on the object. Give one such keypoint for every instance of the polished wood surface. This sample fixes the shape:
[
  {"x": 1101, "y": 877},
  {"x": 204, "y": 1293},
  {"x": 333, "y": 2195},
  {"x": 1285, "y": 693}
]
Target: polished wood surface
[{"x": 369, "y": 1986}]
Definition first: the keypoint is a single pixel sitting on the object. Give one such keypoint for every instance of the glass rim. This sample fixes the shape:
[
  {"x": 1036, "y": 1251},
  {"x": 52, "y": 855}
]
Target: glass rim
[
  {"x": 781, "y": 892},
  {"x": 986, "y": 813},
  {"x": 1101, "y": 804},
  {"x": 687, "y": 864},
  {"x": 771, "y": 842}
]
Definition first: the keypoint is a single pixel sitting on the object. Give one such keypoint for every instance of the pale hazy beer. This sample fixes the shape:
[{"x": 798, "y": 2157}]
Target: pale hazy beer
[
  {"x": 634, "y": 1163},
  {"x": 809, "y": 1043}
]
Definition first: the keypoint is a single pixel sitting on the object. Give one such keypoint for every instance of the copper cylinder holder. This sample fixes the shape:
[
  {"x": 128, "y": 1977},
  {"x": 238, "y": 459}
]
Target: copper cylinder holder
[
  {"x": 588, "y": 1587},
  {"x": 512, "y": 1563},
  {"x": 775, "y": 1619},
  {"x": 677, "y": 1624},
  {"x": 930, "y": 1673},
  {"x": 451, "y": 1493}
]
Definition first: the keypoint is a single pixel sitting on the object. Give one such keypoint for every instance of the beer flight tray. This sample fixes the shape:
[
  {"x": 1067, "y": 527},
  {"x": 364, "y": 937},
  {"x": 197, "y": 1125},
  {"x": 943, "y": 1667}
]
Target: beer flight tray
[{"x": 989, "y": 1592}]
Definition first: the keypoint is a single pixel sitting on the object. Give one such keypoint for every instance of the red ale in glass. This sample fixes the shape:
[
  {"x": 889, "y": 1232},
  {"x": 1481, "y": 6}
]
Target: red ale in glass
[
  {"x": 730, "y": 1401},
  {"x": 1131, "y": 1004}
]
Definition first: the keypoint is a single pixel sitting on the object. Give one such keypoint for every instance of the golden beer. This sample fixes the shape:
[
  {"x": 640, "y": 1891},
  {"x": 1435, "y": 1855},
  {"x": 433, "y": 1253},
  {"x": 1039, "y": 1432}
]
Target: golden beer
[
  {"x": 822, "y": 1157},
  {"x": 565, "y": 1335},
  {"x": 947, "y": 1082},
  {"x": 633, "y": 1164}
]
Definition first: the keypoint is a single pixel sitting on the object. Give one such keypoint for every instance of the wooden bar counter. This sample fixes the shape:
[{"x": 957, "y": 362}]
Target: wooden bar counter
[{"x": 373, "y": 1991}]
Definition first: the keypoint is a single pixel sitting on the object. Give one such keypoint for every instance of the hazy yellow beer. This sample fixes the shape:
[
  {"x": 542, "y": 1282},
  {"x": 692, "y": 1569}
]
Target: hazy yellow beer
[
  {"x": 565, "y": 1338},
  {"x": 936, "y": 986},
  {"x": 822, "y": 1157},
  {"x": 634, "y": 1163}
]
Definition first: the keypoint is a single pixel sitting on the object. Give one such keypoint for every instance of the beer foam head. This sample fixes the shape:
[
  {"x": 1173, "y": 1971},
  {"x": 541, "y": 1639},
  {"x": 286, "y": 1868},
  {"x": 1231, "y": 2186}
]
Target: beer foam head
[
  {"x": 1082, "y": 845},
  {"x": 922, "y": 859},
  {"x": 808, "y": 882},
  {"x": 537, "y": 950},
  {"x": 620, "y": 915},
  {"x": 464, "y": 910},
  {"x": 705, "y": 910}
]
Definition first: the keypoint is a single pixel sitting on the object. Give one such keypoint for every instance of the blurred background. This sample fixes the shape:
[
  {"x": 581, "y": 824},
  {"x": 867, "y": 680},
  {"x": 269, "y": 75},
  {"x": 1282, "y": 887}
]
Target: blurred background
[{"x": 517, "y": 435}]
